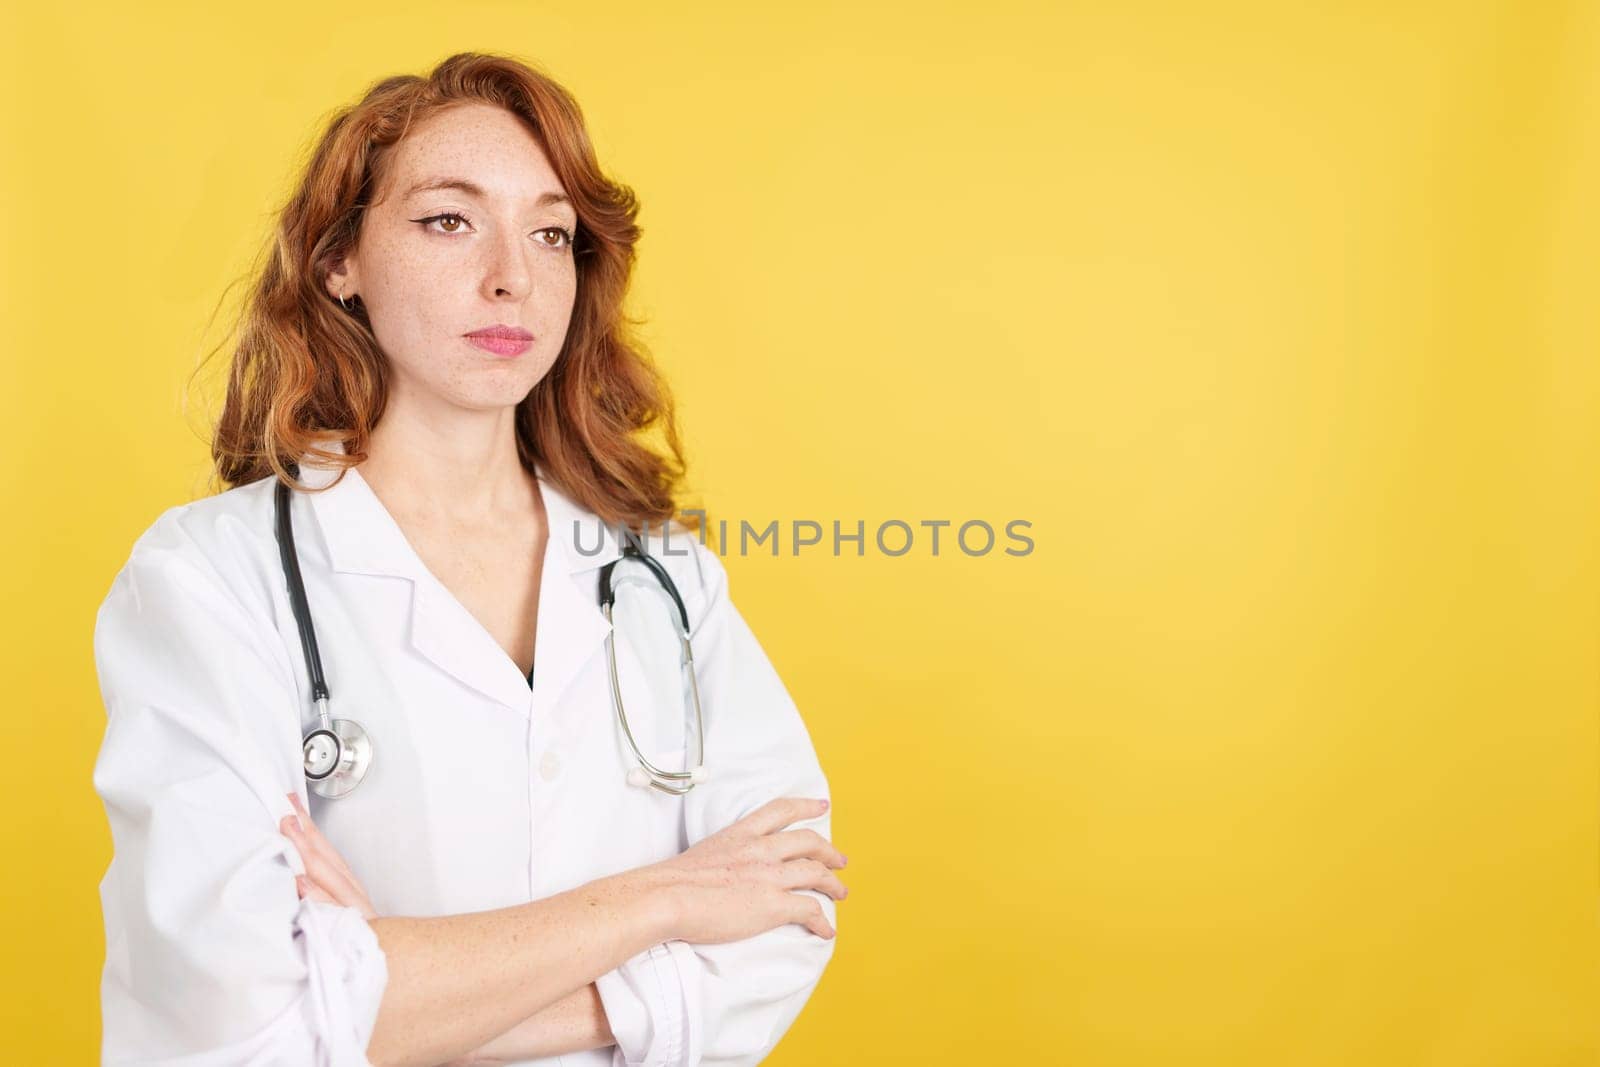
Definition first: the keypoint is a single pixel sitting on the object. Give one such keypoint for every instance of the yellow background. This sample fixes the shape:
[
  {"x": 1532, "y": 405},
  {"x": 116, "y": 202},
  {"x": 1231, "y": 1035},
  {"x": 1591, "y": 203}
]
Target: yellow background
[{"x": 1279, "y": 327}]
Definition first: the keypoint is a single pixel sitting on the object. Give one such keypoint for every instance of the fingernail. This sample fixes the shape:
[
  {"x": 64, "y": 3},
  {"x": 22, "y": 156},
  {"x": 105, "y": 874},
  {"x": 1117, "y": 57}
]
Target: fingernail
[{"x": 824, "y": 805}]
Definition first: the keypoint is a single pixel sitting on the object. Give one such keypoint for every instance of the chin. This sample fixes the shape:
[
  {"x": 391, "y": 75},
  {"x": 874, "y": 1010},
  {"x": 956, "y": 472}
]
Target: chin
[{"x": 491, "y": 399}]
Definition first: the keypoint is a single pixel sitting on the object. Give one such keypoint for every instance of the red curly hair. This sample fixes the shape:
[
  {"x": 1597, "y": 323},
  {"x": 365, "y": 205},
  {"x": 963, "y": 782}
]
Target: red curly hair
[{"x": 305, "y": 369}]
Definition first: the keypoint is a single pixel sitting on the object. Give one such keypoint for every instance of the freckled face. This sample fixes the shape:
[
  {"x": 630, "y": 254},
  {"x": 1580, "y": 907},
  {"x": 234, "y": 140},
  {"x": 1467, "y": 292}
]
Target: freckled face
[{"x": 434, "y": 265}]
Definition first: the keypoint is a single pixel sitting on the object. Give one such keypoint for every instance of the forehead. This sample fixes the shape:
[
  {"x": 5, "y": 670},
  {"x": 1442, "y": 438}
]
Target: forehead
[{"x": 482, "y": 144}]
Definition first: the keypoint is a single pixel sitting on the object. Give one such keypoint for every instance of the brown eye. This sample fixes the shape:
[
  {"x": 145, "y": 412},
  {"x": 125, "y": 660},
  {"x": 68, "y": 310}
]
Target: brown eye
[
  {"x": 562, "y": 232},
  {"x": 450, "y": 221}
]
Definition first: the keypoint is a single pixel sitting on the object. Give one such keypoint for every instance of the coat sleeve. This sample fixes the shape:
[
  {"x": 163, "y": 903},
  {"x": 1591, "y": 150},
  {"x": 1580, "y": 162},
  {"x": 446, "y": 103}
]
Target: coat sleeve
[
  {"x": 211, "y": 957},
  {"x": 684, "y": 1005}
]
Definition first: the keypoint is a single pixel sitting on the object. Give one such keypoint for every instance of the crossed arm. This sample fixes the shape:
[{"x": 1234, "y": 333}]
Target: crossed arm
[{"x": 575, "y": 1022}]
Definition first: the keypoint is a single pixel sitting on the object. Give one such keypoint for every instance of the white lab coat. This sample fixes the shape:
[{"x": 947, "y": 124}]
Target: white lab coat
[{"x": 482, "y": 793}]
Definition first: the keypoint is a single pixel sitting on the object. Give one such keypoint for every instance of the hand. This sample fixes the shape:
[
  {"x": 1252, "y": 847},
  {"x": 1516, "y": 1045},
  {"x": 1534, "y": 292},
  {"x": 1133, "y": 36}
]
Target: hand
[
  {"x": 737, "y": 882},
  {"x": 328, "y": 877}
]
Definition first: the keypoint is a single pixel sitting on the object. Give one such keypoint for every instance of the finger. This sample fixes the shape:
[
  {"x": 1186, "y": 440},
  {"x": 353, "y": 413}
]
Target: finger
[
  {"x": 338, "y": 894},
  {"x": 319, "y": 869},
  {"x": 808, "y": 913},
  {"x": 776, "y": 814},
  {"x": 315, "y": 892},
  {"x": 829, "y": 883},
  {"x": 319, "y": 841},
  {"x": 323, "y": 862},
  {"x": 795, "y": 843},
  {"x": 812, "y": 874},
  {"x": 309, "y": 826}
]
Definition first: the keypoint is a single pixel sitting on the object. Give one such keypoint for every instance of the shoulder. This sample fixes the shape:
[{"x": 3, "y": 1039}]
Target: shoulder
[
  {"x": 694, "y": 566},
  {"x": 226, "y": 541},
  {"x": 191, "y": 659},
  {"x": 697, "y": 575}
]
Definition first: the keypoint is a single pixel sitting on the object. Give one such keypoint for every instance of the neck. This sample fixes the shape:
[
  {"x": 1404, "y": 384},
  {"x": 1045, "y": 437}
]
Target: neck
[{"x": 449, "y": 465}]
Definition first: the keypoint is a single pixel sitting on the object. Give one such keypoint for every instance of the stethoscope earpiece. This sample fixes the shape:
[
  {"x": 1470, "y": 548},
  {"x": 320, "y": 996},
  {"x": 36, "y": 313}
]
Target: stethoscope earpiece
[{"x": 640, "y": 777}]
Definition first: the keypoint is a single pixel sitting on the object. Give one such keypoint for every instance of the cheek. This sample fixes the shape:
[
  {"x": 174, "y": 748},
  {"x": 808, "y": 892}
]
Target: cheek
[
  {"x": 404, "y": 272},
  {"x": 564, "y": 294},
  {"x": 396, "y": 326},
  {"x": 404, "y": 305}
]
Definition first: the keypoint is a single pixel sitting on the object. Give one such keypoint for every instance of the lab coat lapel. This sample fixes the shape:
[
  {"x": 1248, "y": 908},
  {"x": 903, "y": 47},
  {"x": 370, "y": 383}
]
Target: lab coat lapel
[
  {"x": 571, "y": 628},
  {"x": 455, "y": 641},
  {"x": 363, "y": 538}
]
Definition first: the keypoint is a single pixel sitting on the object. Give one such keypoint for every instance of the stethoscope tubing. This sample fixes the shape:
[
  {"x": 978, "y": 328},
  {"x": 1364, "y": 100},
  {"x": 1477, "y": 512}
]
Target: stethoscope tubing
[{"x": 343, "y": 744}]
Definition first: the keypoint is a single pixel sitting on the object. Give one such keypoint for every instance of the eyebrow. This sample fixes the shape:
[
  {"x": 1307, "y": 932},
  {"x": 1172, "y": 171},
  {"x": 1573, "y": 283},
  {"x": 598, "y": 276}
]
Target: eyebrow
[{"x": 472, "y": 188}]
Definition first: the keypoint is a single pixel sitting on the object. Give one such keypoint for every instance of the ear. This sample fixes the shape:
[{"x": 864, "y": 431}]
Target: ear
[{"x": 343, "y": 279}]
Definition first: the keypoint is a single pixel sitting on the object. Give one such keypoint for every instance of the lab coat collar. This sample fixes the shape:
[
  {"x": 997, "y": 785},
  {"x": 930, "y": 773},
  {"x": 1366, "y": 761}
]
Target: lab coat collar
[
  {"x": 363, "y": 538},
  {"x": 347, "y": 510}
]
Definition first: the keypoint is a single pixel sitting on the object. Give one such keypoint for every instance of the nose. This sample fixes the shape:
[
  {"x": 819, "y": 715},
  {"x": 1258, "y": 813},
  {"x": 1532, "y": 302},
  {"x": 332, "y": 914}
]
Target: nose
[{"x": 507, "y": 275}]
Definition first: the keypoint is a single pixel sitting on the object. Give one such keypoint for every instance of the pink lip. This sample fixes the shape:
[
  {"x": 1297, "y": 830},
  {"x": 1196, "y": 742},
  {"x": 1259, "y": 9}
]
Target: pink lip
[{"x": 502, "y": 340}]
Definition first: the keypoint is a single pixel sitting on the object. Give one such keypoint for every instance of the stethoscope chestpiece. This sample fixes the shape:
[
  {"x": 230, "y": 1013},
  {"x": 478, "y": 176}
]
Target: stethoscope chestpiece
[
  {"x": 337, "y": 758},
  {"x": 322, "y": 753}
]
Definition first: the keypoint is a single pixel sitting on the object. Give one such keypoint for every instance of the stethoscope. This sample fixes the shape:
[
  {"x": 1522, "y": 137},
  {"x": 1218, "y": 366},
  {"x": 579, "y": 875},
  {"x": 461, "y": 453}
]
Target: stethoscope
[{"x": 338, "y": 752}]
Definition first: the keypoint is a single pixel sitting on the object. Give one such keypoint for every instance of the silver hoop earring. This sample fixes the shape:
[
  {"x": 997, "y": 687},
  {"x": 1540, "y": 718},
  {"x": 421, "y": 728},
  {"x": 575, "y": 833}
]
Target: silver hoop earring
[{"x": 342, "y": 303}]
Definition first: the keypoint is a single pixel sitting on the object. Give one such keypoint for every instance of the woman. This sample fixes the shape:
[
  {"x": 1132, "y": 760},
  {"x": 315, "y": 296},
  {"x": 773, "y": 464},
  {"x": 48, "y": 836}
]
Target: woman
[{"x": 434, "y": 359}]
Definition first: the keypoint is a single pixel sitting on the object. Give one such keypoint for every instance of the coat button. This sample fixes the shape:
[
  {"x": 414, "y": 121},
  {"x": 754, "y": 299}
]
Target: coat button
[{"x": 550, "y": 766}]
